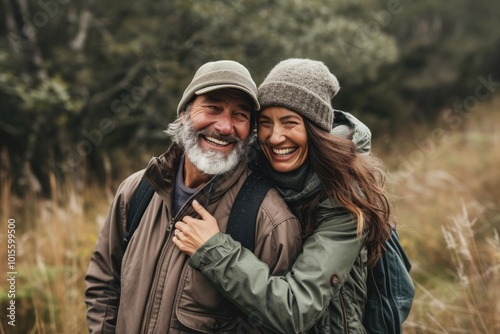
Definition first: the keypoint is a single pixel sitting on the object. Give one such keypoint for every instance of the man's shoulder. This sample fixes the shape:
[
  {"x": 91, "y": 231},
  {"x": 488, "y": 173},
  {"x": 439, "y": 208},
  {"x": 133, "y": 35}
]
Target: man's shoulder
[
  {"x": 273, "y": 198},
  {"x": 277, "y": 234},
  {"x": 275, "y": 207},
  {"x": 130, "y": 184}
]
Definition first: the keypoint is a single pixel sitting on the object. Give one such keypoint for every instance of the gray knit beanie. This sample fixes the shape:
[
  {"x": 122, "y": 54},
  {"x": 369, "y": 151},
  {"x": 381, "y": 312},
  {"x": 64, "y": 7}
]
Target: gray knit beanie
[
  {"x": 219, "y": 75},
  {"x": 303, "y": 85}
]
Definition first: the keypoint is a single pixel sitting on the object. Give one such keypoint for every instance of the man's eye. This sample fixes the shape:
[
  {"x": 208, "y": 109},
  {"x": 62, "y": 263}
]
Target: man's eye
[
  {"x": 242, "y": 116},
  {"x": 212, "y": 108}
]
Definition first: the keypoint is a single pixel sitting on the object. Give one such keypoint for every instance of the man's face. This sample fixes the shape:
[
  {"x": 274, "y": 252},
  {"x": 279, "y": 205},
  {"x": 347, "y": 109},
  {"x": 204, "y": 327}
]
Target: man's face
[{"x": 216, "y": 131}]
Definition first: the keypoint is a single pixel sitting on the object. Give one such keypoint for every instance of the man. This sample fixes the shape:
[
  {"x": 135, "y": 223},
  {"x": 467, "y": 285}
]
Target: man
[{"x": 149, "y": 287}]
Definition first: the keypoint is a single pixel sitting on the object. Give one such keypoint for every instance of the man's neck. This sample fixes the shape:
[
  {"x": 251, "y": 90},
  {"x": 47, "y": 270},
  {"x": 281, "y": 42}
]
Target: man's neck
[{"x": 193, "y": 177}]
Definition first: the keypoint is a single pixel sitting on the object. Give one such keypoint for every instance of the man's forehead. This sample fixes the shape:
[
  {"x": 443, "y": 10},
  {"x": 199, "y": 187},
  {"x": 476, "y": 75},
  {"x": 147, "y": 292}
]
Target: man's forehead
[{"x": 229, "y": 95}]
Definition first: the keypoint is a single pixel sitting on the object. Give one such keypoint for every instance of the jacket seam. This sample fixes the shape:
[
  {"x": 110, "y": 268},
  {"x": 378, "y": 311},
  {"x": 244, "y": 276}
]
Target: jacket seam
[{"x": 273, "y": 224}]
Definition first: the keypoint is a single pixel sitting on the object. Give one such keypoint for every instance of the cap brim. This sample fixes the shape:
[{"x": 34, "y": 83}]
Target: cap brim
[{"x": 217, "y": 87}]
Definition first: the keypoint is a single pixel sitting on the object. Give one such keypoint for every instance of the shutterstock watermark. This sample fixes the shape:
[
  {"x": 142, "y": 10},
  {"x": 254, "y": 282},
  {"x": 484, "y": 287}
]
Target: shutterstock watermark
[
  {"x": 452, "y": 119},
  {"x": 121, "y": 107}
]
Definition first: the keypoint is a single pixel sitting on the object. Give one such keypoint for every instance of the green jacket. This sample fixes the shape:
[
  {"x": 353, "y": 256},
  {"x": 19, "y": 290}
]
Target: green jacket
[{"x": 323, "y": 293}]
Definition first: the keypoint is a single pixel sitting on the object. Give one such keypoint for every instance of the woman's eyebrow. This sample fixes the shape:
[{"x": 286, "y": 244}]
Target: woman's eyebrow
[{"x": 288, "y": 117}]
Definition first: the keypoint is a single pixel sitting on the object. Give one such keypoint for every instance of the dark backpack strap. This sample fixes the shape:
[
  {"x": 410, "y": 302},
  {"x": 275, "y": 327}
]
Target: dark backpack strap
[
  {"x": 243, "y": 216},
  {"x": 390, "y": 290},
  {"x": 242, "y": 219},
  {"x": 140, "y": 202}
]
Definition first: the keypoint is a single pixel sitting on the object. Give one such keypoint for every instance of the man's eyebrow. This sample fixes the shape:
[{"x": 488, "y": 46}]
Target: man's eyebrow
[
  {"x": 245, "y": 106},
  {"x": 214, "y": 99},
  {"x": 209, "y": 99}
]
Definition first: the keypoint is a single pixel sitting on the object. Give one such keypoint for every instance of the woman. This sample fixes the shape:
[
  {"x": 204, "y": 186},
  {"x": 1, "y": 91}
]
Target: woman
[{"x": 335, "y": 192}]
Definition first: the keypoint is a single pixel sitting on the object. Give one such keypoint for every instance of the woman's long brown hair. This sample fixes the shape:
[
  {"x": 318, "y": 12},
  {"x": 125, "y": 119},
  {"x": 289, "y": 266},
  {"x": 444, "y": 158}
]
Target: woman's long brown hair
[{"x": 354, "y": 181}]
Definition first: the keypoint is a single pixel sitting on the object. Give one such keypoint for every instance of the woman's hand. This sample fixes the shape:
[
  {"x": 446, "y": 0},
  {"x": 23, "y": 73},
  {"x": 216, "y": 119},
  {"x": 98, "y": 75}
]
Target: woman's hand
[{"x": 191, "y": 233}]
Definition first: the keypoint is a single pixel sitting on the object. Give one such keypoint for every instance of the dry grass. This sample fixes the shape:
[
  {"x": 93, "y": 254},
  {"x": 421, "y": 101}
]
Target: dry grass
[
  {"x": 55, "y": 239},
  {"x": 448, "y": 209}
]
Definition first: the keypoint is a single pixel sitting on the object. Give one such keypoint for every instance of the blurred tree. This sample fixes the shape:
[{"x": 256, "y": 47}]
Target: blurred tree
[
  {"x": 82, "y": 81},
  {"x": 445, "y": 47}
]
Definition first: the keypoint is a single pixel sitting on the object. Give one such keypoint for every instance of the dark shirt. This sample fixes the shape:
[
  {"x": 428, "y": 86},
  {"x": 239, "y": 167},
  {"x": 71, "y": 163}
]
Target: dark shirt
[{"x": 181, "y": 192}]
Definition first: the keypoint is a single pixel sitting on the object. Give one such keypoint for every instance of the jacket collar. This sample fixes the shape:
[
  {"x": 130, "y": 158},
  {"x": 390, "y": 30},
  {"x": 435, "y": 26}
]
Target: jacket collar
[{"x": 161, "y": 173}]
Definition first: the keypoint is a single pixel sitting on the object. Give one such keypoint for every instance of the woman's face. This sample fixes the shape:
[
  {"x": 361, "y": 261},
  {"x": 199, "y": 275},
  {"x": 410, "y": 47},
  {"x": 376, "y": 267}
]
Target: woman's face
[{"x": 283, "y": 138}]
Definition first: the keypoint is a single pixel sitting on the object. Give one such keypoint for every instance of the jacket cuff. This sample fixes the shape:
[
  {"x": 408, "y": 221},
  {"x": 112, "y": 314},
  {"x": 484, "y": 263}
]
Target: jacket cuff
[{"x": 212, "y": 251}]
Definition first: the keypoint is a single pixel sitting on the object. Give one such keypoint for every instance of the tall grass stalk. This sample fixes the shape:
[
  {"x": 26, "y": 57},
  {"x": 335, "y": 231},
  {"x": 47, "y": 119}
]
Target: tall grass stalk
[
  {"x": 468, "y": 302},
  {"x": 456, "y": 258},
  {"x": 54, "y": 250}
]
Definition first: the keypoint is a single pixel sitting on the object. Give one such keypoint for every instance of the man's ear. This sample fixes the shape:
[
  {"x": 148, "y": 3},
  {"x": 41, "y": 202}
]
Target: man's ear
[{"x": 183, "y": 117}]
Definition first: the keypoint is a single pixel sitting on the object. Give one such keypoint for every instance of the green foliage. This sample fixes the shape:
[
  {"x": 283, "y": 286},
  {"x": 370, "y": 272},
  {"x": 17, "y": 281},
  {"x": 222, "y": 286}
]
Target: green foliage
[
  {"x": 81, "y": 80},
  {"x": 445, "y": 47}
]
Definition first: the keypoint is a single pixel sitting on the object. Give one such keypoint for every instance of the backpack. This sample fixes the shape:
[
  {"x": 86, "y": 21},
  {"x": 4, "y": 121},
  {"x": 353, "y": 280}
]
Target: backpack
[{"x": 390, "y": 290}]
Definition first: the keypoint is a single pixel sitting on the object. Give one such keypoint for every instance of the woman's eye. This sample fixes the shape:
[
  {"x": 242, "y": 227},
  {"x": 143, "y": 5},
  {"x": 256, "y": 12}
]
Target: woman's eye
[{"x": 290, "y": 124}]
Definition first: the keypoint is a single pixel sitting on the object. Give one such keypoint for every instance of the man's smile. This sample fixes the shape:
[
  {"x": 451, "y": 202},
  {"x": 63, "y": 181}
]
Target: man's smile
[{"x": 216, "y": 141}]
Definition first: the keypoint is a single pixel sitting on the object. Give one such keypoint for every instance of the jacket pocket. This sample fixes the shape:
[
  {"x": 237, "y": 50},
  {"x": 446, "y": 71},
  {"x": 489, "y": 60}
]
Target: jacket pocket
[{"x": 202, "y": 308}]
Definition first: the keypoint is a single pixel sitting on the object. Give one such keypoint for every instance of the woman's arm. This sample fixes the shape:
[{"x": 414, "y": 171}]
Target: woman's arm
[{"x": 290, "y": 303}]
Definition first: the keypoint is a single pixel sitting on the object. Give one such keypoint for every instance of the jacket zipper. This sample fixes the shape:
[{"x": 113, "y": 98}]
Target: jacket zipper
[
  {"x": 154, "y": 285},
  {"x": 344, "y": 316},
  {"x": 189, "y": 201}
]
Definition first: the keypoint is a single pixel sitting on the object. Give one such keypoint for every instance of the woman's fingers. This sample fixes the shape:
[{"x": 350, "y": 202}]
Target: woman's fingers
[
  {"x": 190, "y": 233},
  {"x": 204, "y": 214},
  {"x": 181, "y": 225}
]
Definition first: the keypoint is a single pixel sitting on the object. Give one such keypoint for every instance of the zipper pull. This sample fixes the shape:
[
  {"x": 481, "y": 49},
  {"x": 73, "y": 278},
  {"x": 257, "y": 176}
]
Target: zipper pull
[{"x": 170, "y": 226}]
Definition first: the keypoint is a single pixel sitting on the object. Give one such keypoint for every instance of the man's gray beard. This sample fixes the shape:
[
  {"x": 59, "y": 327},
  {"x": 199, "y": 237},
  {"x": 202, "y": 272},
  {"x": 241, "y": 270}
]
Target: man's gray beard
[{"x": 208, "y": 162}]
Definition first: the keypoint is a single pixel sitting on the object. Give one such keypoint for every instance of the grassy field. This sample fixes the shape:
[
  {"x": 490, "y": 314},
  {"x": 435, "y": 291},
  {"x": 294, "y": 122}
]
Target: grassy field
[
  {"x": 447, "y": 193},
  {"x": 448, "y": 207}
]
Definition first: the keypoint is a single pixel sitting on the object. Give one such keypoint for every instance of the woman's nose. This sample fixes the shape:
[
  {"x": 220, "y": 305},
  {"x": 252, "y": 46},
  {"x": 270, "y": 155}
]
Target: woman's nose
[{"x": 277, "y": 136}]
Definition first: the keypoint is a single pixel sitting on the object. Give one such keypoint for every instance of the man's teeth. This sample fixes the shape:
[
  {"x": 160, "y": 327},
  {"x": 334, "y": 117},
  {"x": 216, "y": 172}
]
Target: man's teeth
[
  {"x": 217, "y": 141},
  {"x": 283, "y": 151}
]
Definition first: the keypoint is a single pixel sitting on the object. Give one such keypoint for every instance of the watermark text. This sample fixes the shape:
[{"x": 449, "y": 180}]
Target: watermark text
[{"x": 11, "y": 272}]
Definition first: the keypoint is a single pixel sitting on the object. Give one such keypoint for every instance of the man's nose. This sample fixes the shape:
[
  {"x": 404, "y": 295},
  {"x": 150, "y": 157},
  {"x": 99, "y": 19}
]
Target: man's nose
[{"x": 224, "y": 123}]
